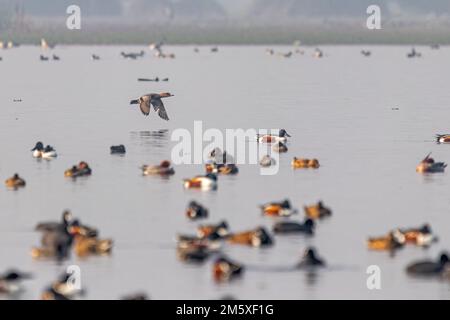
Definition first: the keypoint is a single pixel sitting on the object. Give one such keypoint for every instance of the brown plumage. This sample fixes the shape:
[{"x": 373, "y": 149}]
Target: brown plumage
[{"x": 153, "y": 99}]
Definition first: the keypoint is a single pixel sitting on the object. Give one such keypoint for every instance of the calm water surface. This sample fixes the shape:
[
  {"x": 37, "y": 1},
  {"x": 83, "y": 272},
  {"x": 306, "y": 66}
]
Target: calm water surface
[{"x": 337, "y": 109}]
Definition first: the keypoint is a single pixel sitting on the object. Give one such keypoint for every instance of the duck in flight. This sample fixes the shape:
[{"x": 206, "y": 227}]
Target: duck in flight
[{"x": 153, "y": 99}]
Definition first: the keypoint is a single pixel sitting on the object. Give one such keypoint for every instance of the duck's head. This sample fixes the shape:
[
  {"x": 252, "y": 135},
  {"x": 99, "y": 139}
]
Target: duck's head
[
  {"x": 443, "y": 259},
  {"x": 16, "y": 176},
  {"x": 211, "y": 176},
  {"x": 283, "y": 133},
  {"x": 425, "y": 228},
  {"x": 83, "y": 165},
  {"x": 39, "y": 146},
  {"x": 286, "y": 203},
  {"x": 165, "y": 164}
]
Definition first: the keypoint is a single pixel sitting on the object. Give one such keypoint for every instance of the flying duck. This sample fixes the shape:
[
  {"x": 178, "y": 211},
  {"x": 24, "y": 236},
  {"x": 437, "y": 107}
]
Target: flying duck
[{"x": 153, "y": 99}]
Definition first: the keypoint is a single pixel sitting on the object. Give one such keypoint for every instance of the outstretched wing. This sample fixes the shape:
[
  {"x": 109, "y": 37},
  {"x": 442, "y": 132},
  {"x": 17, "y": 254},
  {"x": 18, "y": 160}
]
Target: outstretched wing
[
  {"x": 144, "y": 105},
  {"x": 159, "y": 107}
]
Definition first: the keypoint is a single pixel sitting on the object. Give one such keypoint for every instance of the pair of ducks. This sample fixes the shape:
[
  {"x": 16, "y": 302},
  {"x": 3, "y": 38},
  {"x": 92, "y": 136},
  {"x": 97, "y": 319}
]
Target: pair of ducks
[
  {"x": 225, "y": 269},
  {"x": 285, "y": 209},
  {"x": 41, "y": 152},
  {"x": 80, "y": 170},
  {"x": 221, "y": 163},
  {"x": 301, "y": 163},
  {"x": 428, "y": 165},
  {"x": 58, "y": 238},
  {"x": 397, "y": 238}
]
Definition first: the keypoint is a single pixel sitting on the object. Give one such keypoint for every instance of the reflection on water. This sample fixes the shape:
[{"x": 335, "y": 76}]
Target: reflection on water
[{"x": 150, "y": 139}]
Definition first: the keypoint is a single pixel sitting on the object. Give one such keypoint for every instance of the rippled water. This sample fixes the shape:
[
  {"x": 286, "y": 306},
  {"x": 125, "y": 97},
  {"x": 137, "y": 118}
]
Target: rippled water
[{"x": 337, "y": 109}]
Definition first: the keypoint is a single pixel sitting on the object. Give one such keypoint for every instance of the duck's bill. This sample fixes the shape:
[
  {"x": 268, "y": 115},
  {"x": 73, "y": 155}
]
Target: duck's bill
[
  {"x": 134, "y": 102},
  {"x": 287, "y": 134}
]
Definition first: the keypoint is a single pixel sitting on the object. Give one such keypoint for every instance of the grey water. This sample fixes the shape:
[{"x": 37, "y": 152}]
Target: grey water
[{"x": 341, "y": 109}]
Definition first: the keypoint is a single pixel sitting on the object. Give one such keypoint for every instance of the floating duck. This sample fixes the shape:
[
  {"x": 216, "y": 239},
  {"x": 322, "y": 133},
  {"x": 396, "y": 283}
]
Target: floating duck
[
  {"x": 15, "y": 182},
  {"x": 153, "y": 99},
  {"x": 280, "y": 147},
  {"x": 422, "y": 236},
  {"x": 443, "y": 138},
  {"x": 225, "y": 269},
  {"x": 196, "y": 211},
  {"x": 258, "y": 237},
  {"x": 413, "y": 54},
  {"x": 429, "y": 268},
  {"x": 132, "y": 55},
  {"x": 318, "y": 53},
  {"x": 225, "y": 169},
  {"x": 43, "y": 58},
  {"x": 213, "y": 232},
  {"x": 10, "y": 281},
  {"x": 310, "y": 260},
  {"x": 206, "y": 182},
  {"x": 366, "y": 53},
  {"x": 428, "y": 165},
  {"x": 120, "y": 149},
  {"x": 300, "y": 163},
  {"x": 193, "y": 254},
  {"x": 272, "y": 138},
  {"x": 95, "y": 57},
  {"x": 81, "y": 170},
  {"x": 163, "y": 169},
  {"x": 394, "y": 240},
  {"x": 85, "y": 246},
  {"x": 45, "y": 153},
  {"x": 278, "y": 209},
  {"x": 317, "y": 211},
  {"x": 55, "y": 57},
  {"x": 289, "y": 227},
  {"x": 267, "y": 161}
]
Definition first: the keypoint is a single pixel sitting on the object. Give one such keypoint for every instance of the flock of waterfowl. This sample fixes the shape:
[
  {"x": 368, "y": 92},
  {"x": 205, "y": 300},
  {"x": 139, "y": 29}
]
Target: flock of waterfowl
[{"x": 62, "y": 238}]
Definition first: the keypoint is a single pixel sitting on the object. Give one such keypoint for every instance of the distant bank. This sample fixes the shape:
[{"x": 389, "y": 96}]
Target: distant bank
[{"x": 325, "y": 33}]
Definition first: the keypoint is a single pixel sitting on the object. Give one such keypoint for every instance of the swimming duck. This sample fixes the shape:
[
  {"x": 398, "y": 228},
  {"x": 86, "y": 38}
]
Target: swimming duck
[
  {"x": 10, "y": 281},
  {"x": 206, "y": 182},
  {"x": 163, "y": 168},
  {"x": 278, "y": 209},
  {"x": 153, "y": 99},
  {"x": 271, "y": 138},
  {"x": 298, "y": 163},
  {"x": 85, "y": 246},
  {"x": 136, "y": 296},
  {"x": 225, "y": 169},
  {"x": 413, "y": 54},
  {"x": 280, "y": 147},
  {"x": 394, "y": 240},
  {"x": 196, "y": 211},
  {"x": 258, "y": 237},
  {"x": 419, "y": 236},
  {"x": 428, "y": 165},
  {"x": 45, "y": 153},
  {"x": 193, "y": 254},
  {"x": 267, "y": 161},
  {"x": 306, "y": 227},
  {"x": 365, "y": 53},
  {"x": 318, "y": 53},
  {"x": 64, "y": 286},
  {"x": 95, "y": 57},
  {"x": 225, "y": 269},
  {"x": 81, "y": 170},
  {"x": 120, "y": 149},
  {"x": 317, "y": 211},
  {"x": 15, "y": 182},
  {"x": 43, "y": 58},
  {"x": 443, "y": 138},
  {"x": 429, "y": 268},
  {"x": 55, "y": 57},
  {"x": 50, "y": 294},
  {"x": 213, "y": 232},
  {"x": 214, "y": 49},
  {"x": 310, "y": 260}
]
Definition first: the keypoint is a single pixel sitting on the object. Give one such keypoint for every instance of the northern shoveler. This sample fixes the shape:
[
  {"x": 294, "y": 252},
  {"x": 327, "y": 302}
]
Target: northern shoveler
[
  {"x": 443, "y": 138},
  {"x": 224, "y": 169},
  {"x": 272, "y": 138},
  {"x": 163, "y": 168},
  {"x": 317, "y": 211},
  {"x": 119, "y": 149},
  {"x": 15, "y": 182},
  {"x": 81, "y": 170},
  {"x": 258, "y": 237},
  {"x": 224, "y": 269},
  {"x": 196, "y": 211},
  {"x": 206, "y": 182},
  {"x": 289, "y": 227},
  {"x": 428, "y": 165},
  {"x": 393, "y": 240},
  {"x": 419, "y": 236},
  {"x": 45, "y": 153},
  {"x": 429, "y": 268},
  {"x": 213, "y": 232},
  {"x": 153, "y": 99},
  {"x": 278, "y": 209},
  {"x": 299, "y": 163},
  {"x": 10, "y": 281},
  {"x": 310, "y": 260}
]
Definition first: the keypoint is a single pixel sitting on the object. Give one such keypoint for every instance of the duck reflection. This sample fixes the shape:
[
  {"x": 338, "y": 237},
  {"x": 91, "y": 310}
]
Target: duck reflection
[{"x": 151, "y": 139}]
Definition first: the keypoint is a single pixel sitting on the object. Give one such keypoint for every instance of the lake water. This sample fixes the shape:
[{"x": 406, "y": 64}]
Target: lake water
[{"x": 338, "y": 109}]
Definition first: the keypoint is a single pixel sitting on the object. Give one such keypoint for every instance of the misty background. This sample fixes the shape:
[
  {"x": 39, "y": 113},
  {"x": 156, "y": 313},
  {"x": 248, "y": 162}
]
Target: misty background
[{"x": 227, "y": 21}]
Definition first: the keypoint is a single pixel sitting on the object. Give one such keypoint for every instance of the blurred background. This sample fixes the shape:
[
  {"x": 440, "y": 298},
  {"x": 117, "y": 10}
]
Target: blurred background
[{"x": 227, "y": 21}]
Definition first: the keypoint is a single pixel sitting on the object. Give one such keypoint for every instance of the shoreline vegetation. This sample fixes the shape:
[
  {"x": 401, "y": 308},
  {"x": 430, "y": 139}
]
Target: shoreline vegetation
[{"x": 331, "y": 33}]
